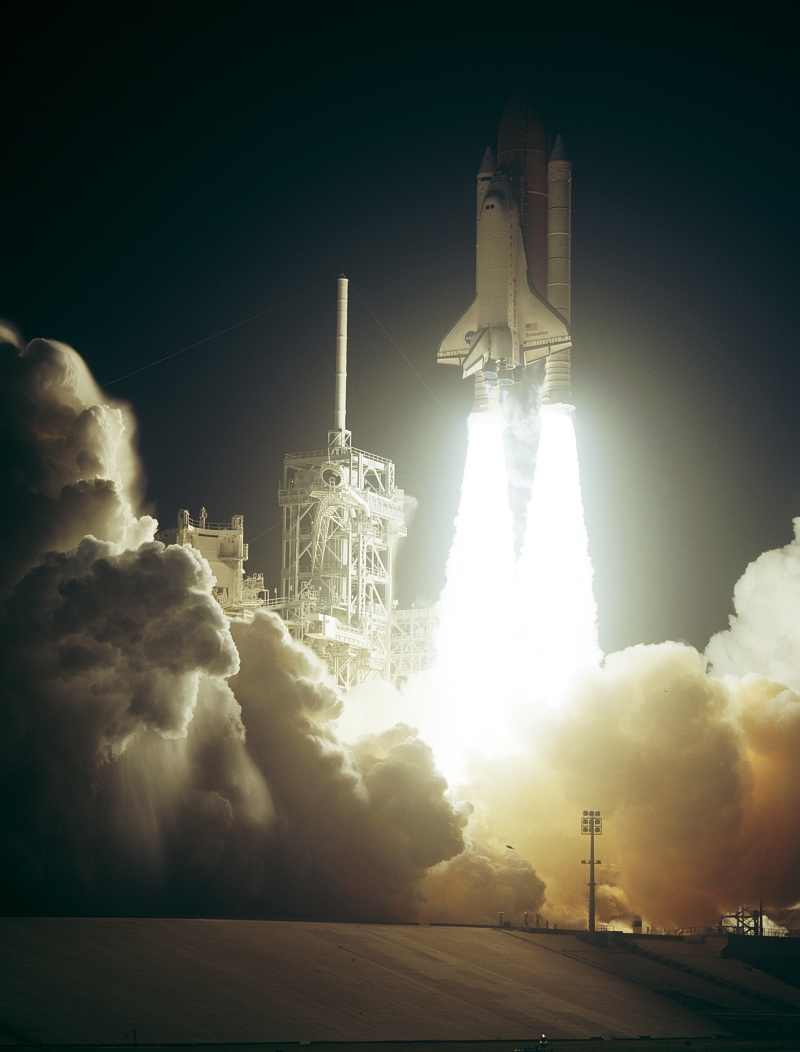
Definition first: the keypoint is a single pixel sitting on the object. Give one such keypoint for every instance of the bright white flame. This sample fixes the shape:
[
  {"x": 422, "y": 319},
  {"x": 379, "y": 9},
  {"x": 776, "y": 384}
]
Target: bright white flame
[
  {"x": 556, "y": 598},
  {"x": 474, "y": 643},
  {"x": 511, "y": 635}
]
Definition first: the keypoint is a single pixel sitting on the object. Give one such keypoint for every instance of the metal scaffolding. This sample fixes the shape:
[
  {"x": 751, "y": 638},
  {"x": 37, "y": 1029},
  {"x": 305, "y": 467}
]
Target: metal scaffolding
[
  {"x": 342, "y": 516},
  {"x": 411, "y": 641}
]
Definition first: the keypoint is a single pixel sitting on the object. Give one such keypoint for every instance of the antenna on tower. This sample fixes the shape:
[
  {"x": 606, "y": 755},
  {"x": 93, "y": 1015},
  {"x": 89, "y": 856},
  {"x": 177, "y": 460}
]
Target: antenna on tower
[{"x": 339, "y": 438}]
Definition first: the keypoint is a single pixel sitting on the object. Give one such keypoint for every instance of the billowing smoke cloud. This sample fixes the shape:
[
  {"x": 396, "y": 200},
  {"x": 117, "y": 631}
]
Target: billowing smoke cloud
[
  {"x": 479, "y": 884},
  {"x": 356, "y": 830},
  {"x": 764, "y": 635},
  {"x": 67, "y": 461},
  {"x": 697, "y": 782},
  {"x": 99, "y": 648},
  {"x": 695, "y": 772},
  {"x": 149, "y": 763}
]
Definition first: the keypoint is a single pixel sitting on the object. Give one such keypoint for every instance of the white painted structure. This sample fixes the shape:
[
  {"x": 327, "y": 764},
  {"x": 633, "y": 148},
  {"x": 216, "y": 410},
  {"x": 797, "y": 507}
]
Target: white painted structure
[
  {"x": 222, "y": 545},
  {"x": 342, "y": 517}
]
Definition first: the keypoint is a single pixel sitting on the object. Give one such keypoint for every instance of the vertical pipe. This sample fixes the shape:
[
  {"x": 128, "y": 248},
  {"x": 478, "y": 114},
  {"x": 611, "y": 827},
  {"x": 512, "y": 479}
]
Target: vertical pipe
[
  {"x": 591, "y": 883},
  {"x": 341, "y": 361},
  {"x": 389, "y": 601}
]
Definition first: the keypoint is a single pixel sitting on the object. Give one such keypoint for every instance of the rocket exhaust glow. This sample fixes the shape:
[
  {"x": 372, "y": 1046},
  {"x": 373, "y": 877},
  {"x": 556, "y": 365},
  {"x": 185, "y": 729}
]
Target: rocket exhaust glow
[
  {"x": 475, "y": 648},
  {"x": 555, "y": 594}
]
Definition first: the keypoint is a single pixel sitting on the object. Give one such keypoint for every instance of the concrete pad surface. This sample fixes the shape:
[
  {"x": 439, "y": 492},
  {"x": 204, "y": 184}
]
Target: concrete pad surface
[{"x": 85, "y": 980}]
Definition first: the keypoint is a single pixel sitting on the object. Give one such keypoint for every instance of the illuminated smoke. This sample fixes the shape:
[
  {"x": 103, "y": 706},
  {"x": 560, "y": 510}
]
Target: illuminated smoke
[
  {"x": 481, "y": 882},
  {"x": 556, "y": 601},
  {"x": 696, "y": 776},
  {"x": 68, "y": 465},
  {"x": 149, "y": 763},
  {"x": 764, "y": 634}
]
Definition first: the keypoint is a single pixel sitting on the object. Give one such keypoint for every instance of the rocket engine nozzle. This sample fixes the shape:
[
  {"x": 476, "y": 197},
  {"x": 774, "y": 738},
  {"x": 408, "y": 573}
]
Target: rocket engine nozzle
[{"x": 557, "y": 379}]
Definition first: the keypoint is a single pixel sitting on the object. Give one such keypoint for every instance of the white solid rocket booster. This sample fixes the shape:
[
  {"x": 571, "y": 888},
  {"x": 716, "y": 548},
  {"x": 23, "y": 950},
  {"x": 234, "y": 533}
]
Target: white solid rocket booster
[{"x": 559, "y": 268}]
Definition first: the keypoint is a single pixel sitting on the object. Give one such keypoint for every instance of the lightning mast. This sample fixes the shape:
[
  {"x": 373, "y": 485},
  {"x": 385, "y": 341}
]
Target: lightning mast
[{"x": 339, "y": 436}]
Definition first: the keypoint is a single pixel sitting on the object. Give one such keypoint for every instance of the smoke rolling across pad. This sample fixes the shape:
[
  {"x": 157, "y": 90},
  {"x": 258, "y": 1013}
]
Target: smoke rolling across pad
[{"x": 688, "y": 769}]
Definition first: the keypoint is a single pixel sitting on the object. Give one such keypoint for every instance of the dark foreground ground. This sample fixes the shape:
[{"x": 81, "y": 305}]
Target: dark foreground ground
[
  {"x": 720, "y": 1044},
  {"x": 276, "y": 985}
]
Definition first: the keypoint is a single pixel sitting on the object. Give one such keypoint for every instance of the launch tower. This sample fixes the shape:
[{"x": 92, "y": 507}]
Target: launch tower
[{"x": 342, "y": 517}]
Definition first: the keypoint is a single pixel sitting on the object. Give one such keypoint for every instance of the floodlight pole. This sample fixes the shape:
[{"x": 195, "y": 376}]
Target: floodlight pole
[
  {"x": 591, "y": 823},
  {"x": 591, "y": 882}
]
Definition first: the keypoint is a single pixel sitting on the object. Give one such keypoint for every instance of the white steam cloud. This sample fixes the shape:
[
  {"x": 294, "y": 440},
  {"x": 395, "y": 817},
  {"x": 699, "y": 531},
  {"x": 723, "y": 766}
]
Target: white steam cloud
[
  {"x": 764, "y": 634},
  {"x": 151, "y": 761}
]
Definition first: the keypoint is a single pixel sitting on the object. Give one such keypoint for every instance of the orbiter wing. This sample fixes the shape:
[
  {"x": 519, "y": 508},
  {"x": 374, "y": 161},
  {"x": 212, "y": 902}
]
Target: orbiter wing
[
  {"x": 455, "y": 347},
  {"x": 540, "y": 328}
]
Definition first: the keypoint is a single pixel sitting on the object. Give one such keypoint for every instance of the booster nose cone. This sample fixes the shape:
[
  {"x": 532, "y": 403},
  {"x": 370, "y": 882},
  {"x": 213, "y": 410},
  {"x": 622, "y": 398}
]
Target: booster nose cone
[
  {"x": 558, "y": 154},
  {"x": 488, "y": 165}
]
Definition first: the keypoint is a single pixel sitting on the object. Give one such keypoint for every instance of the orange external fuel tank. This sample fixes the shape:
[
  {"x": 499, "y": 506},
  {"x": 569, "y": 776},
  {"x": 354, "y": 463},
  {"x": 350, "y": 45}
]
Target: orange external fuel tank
[{"x": 523, "y": 144}]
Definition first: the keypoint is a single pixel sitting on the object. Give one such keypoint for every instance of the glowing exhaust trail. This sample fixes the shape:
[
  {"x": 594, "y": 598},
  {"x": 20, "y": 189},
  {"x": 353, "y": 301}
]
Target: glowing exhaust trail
[
  {"x": 555, "y": 594},
  {"x": 474, "y": 646},
  {"x": 511, "y": 636}
]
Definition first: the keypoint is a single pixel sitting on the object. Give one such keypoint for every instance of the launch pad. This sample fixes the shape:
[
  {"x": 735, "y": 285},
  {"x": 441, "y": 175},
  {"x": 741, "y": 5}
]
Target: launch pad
[{"x": 191, "y": 981}]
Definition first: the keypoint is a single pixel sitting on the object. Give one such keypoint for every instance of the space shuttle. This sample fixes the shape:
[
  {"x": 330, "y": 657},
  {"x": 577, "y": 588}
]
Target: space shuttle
[{"x": 521, "y": 310}]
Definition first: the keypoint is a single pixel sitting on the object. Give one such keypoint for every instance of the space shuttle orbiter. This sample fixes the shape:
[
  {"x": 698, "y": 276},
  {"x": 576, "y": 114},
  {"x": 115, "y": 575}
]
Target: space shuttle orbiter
[{"x": 523, "y": 265}]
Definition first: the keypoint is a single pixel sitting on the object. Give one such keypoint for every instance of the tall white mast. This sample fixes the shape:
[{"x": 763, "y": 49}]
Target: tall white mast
[{"x": 340, "y": 437}]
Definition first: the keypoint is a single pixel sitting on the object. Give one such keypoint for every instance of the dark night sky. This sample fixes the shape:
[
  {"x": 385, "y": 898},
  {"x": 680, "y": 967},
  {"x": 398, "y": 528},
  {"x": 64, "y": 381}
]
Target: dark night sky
[{"x": 171, "y": 169}]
